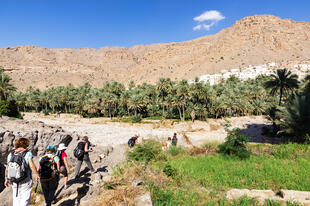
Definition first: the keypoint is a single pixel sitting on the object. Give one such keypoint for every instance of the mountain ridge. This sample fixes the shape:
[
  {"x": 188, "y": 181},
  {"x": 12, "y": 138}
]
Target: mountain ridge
[{"x": 252, "y": 40}]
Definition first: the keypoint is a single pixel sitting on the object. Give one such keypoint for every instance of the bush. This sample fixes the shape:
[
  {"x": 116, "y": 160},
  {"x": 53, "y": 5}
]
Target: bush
[
  {"x": 146, "y": 151},
  {"x": 137, "y": 118},
  {"x": 170, "y": 171},
  {"x": 235, "y": 144},
  {"x": 174, "y": 150},
  {"x": 9, "y": 109},
  {"x": 295, "y": 117}
]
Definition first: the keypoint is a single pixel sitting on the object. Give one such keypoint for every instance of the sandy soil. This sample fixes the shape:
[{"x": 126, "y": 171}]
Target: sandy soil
[{"x": 103, "y": 132}]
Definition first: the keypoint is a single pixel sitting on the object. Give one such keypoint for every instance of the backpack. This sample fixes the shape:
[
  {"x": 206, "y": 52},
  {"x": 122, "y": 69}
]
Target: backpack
[
  {"x": 17, "y": 167},
  {"x": 132, "y": 141},
  {"x": 174, "y": 141},
  {"x": 59, "y": 153},
  {"x": 48, "y": 167},
  {"x": 79, "y": 150}
]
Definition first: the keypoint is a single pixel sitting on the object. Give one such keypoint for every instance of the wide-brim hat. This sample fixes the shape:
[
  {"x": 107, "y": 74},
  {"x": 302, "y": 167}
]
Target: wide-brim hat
[{"x": 62, "y": 146}]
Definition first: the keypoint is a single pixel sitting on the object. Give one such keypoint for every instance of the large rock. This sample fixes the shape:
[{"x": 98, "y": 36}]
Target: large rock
[
  {"x": 144, "y": 200},
  {"x": 260, "y": 195},
  {"x": 295, "y": 195}
]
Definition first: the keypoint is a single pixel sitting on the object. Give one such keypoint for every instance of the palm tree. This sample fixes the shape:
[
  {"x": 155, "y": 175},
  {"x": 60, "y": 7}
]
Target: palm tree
[
  {"x": 163, "y": 87},
  {"x": 282, "y": 80},
  {"x": 295, "y": 117},
  {"x": 5, "y": 86}
]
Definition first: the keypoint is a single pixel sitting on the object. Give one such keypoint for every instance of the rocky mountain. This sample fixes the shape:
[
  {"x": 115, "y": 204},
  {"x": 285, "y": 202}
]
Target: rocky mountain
[{"x": 253, "y": 40}]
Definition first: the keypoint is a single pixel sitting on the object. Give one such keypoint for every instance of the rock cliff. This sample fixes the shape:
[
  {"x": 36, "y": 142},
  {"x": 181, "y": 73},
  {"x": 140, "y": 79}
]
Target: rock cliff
[{"x": 253, "y": 40}]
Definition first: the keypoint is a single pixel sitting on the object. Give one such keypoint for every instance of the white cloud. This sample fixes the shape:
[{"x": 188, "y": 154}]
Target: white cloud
[
  {"x": 213, "y": 16},
  {"x": 198, "y": 27}
]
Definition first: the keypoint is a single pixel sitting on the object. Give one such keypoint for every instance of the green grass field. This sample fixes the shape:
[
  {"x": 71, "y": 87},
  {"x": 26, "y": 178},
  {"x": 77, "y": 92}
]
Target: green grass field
[{"x": 269, "y": 167}]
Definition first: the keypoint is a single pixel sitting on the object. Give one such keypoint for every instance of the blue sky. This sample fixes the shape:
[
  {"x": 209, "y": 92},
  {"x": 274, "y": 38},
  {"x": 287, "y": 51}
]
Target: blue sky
[{"x": 99, "y": 23}]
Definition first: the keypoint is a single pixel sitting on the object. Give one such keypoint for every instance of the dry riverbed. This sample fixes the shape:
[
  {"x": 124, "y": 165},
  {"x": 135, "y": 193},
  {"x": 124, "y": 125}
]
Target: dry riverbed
[{"x": 103, "y": 131}]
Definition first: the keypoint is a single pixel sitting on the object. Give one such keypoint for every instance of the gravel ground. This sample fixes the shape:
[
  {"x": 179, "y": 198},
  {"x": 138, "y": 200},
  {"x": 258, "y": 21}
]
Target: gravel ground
[{"x": 104, "y": 132}]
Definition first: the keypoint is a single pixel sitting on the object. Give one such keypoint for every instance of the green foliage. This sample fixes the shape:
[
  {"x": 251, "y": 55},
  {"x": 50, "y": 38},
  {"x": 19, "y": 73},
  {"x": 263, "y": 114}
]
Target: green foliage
[
  {"x": 9, "y": 108},
  {"x": 137, "y": 118},
  {"x": 4, "y": 108},
  {"x": 295, "y": 117},
  {"x": 272, "y": 203},
  {"x": 174, "y": 150},
  {"x": 170, "y": 171},
  {"x": 146, "y": 151},
  {"x": 167, "y": 99},
  {"x": 235, "y": 144},
  {"x": 283, "y": 81}
]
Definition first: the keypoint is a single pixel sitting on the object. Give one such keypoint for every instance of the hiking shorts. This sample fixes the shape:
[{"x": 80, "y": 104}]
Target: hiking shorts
[{"x": 63, "y": 171}]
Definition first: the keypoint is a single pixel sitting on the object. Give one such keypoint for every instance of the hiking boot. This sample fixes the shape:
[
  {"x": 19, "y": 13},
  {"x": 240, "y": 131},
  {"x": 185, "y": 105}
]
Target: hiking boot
[{"x": 66, "y": 187}]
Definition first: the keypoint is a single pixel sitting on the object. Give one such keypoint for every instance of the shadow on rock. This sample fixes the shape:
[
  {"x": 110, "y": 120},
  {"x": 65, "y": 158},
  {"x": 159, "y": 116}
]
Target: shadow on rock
[
  {"x": 81, "y": 192},
  {"x": 102, "y": 169}
]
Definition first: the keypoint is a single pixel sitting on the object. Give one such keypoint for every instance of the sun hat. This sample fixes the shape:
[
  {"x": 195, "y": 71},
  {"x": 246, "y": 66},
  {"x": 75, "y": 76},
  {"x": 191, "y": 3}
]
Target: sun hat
[
  {"x": 50, "y": 146},
  {"x": 62, "y": 146}
]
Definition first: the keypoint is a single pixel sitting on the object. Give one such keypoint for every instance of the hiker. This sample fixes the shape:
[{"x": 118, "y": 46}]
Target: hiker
[
  {"x": 84, "y": 148},
  {"x": 174, "y": 139},
  {"x": 49, "y": 167},
  {"x": 167, "y": 144},
  {"x": 133, "y": 141},
  {"x": 18, "y": 172},
  {"x": 64, "y": 166}
]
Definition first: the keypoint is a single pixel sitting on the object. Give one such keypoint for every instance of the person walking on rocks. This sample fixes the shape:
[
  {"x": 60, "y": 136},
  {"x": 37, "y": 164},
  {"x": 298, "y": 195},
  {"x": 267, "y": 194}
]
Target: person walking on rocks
[
  {"x": 49, "y": 167},
  {"x": 18, "y": 172},
  {"x": 84, "y": 147},
  {"x": 64, "y": 166}
]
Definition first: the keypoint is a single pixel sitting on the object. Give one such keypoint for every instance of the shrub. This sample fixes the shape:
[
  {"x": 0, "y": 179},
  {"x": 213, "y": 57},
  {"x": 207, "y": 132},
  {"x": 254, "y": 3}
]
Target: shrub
[
  {"x": 295, "y": 117},
  {"x": 137, "y": 118},
  {"x": 146, "y": 151},
  {"x": 170, "y": 171},
  {"x": 174, "y": 150},
  {"x": 235, "y": 144},
  {"x": 9, "y": 108}
]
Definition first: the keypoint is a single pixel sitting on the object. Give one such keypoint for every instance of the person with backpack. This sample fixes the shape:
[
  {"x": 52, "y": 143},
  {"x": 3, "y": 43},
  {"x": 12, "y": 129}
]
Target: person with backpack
[
  {"x": 49, "y": 167},
  {"x": 174, "y": 139},
  {"x": 64, "y": 166},
  {"x": 18, "y": 172},
  {"x": 133, "y": 141},
  {"x": 81, "y": 152}
]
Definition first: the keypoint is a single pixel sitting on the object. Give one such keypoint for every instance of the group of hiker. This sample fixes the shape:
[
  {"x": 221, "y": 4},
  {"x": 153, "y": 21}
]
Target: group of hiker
[
  {"x": 166, "y": 145},
  {"x": 20, "y": 167}
]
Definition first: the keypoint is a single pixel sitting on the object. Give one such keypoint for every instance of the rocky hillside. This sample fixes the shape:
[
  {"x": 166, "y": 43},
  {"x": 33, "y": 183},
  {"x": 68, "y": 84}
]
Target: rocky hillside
[{"x": 253, "y": 40}]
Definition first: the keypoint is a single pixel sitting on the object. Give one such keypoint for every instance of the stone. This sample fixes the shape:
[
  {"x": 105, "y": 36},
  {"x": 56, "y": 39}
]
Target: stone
[
  {"x": 144, "y": 200},
  {"x": 295, "y": 195},
  {"x": 257, "y": 194},
  {"x": 107, "y": 178},
  {"x": 236, "y": 193}
]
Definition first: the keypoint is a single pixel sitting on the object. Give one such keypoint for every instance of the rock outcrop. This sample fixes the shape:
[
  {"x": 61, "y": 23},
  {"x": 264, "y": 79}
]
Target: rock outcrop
[{"x": 253, "y": 40}]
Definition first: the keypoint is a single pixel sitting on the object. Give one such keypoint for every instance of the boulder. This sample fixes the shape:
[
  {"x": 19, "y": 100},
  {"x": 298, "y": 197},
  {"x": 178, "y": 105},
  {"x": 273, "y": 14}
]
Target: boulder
[
  {"x": 260, "y": 195},
  {"x": 144, "y": 200},
  {"x": 295, "y": 195}
]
